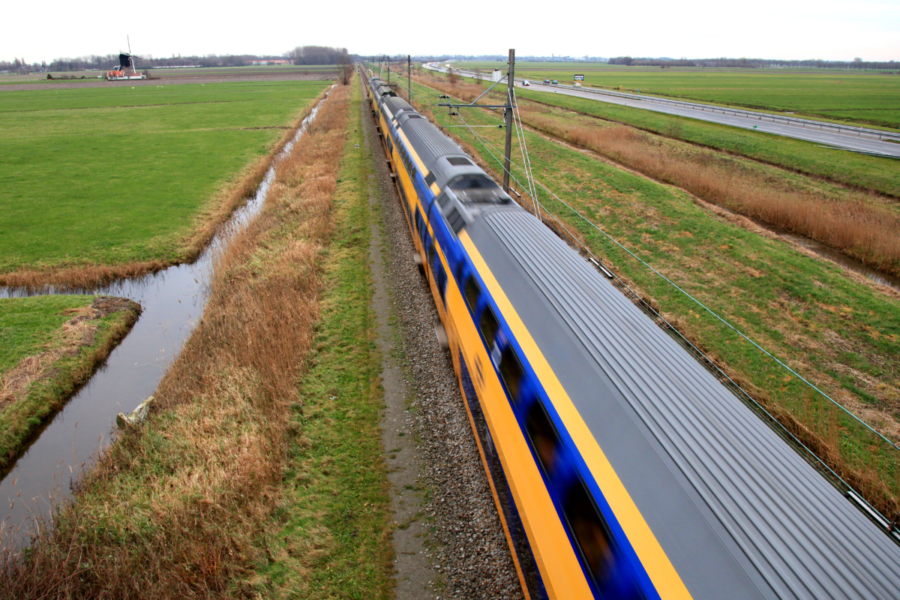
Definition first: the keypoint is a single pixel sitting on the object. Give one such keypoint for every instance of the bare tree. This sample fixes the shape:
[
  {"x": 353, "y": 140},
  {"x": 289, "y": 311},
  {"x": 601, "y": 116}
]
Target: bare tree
[
  {"x": 346, "y": 68},
  {"x": 317, "y": 55}
]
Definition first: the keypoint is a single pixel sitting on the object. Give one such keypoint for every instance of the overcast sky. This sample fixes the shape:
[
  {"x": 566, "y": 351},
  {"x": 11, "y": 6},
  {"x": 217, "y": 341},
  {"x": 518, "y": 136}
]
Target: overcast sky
[{"x": 787, "y": 29}]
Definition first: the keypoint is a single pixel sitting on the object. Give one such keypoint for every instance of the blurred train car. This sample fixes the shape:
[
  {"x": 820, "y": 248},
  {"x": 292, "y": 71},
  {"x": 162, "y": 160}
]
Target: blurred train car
[{"x": 621, "y": 468}]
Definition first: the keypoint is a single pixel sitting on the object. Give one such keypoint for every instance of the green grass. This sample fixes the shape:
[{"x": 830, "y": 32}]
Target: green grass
[
  {"x": 870, "y": 98},
  {"x": 114, "y": 175},
  {"x": 840, "y": 166},
  {"x": 29, "y": 326},
  {"x": 334, "y": 540},
  {"x": 807, "y": 312}
]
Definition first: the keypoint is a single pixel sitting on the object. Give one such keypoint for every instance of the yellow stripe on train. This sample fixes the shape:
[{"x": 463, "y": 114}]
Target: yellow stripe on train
[
  {"x": 652, "y": 556},
  {"x": 560, "y": 570}
]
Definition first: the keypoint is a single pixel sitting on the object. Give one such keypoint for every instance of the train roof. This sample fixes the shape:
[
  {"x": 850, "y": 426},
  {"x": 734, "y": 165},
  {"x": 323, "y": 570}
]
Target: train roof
[
  {"x": 443, "y": 158},
  {"x": 738, "y": 512}
]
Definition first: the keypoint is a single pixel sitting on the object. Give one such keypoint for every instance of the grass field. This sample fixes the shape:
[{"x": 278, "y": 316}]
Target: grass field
[
  {"x": 841, "y": 335},
  {"x": 869, "y": 98},
  {"x": 27, "y": 324},
  {"x": 260, "y": 471},
  {"x": 118, "y": 175},
  {"x": 49, "y": 345}
]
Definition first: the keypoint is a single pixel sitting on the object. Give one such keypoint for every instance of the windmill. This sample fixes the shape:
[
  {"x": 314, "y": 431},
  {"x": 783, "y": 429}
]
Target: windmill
[{"x": 126, "y": 69}]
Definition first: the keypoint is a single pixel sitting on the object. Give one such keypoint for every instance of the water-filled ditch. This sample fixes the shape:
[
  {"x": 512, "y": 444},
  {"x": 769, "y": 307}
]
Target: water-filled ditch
[{"x": 173, "y": 301}]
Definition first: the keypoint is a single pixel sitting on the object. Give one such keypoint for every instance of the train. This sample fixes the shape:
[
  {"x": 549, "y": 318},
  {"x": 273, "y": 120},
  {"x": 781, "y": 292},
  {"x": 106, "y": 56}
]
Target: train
[{"x": 620, "y": 467}]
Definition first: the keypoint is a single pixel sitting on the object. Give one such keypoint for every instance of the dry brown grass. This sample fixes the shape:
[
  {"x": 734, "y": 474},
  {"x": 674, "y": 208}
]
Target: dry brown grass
[
  {"x": 178, "y": 507},
  {"x": 855, "y": 225},
  {"x": 212, "y": 216}
]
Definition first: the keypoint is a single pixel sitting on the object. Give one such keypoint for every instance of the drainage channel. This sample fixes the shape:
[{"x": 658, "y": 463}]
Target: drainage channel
[
  {"x": 173, "y": 301},
  {"x": 832, "y": 254},
  {"x": 836, "y": 256}
]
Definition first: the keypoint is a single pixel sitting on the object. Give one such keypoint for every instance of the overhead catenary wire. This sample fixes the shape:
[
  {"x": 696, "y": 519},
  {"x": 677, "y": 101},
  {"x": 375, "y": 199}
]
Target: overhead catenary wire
[
  {"x": 523, "y": 147},
  {"x": 488, "y": 146}
]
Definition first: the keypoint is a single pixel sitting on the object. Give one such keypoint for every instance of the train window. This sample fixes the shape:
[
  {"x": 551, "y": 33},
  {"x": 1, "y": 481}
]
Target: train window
[
  {"x": 590, "y": 531},
  {"x": 543, "y": 436},
  {"x": 442, "y": 281},
  {"x": 511, "y": 371},
  {"x": 472, "y": 291},
  {"x": 456, "y": 220},
  {"x": 489, "y": 326},
  {"x": 431, "y": 254}
]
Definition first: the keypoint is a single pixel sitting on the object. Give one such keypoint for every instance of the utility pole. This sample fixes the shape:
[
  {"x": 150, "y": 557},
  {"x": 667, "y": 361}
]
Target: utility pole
[
  {"x": 409, "y": 78},
  {"x": 510, "y": 84},
  {"x": 388, "y": 60}
]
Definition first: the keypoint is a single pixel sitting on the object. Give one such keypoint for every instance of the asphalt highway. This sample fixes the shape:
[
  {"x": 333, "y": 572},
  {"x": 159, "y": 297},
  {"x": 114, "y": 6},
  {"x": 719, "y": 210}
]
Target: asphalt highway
[{"x": 854, "y": 139}]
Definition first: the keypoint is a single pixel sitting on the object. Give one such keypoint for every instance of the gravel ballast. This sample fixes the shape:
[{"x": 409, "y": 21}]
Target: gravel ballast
[{"x": 466, "y": 543}]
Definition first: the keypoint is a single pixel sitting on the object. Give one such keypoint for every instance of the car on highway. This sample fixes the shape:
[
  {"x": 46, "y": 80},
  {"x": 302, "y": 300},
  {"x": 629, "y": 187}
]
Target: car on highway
[
  {"x": 555, "y": 82},
  {"x": 546, "y": 81},
  {"x": 526, "y": 82}
]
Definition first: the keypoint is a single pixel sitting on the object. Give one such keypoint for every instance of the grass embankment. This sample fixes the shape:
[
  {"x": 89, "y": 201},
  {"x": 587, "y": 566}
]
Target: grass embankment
[
  {"x": 859, "y": 97},
  {"x": 49, "y": 345},
  {"x": 862, "y": 225},
  {"x": 259, "y": 470},
  {"x": 105, "y": 182},
  {"x": 843, "y": 336}
]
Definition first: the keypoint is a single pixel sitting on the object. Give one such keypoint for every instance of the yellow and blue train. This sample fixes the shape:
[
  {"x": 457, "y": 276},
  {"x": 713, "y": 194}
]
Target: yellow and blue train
[{"x": 621, "y": 468}]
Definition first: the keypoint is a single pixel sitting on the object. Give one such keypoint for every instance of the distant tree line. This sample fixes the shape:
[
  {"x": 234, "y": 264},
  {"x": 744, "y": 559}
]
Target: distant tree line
[
  {"x": 758, "y": 63},
  {"x": 319, "y": 55},
  {"x": 19, "y": 65},
  {"x": 304, "y": 55}
]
